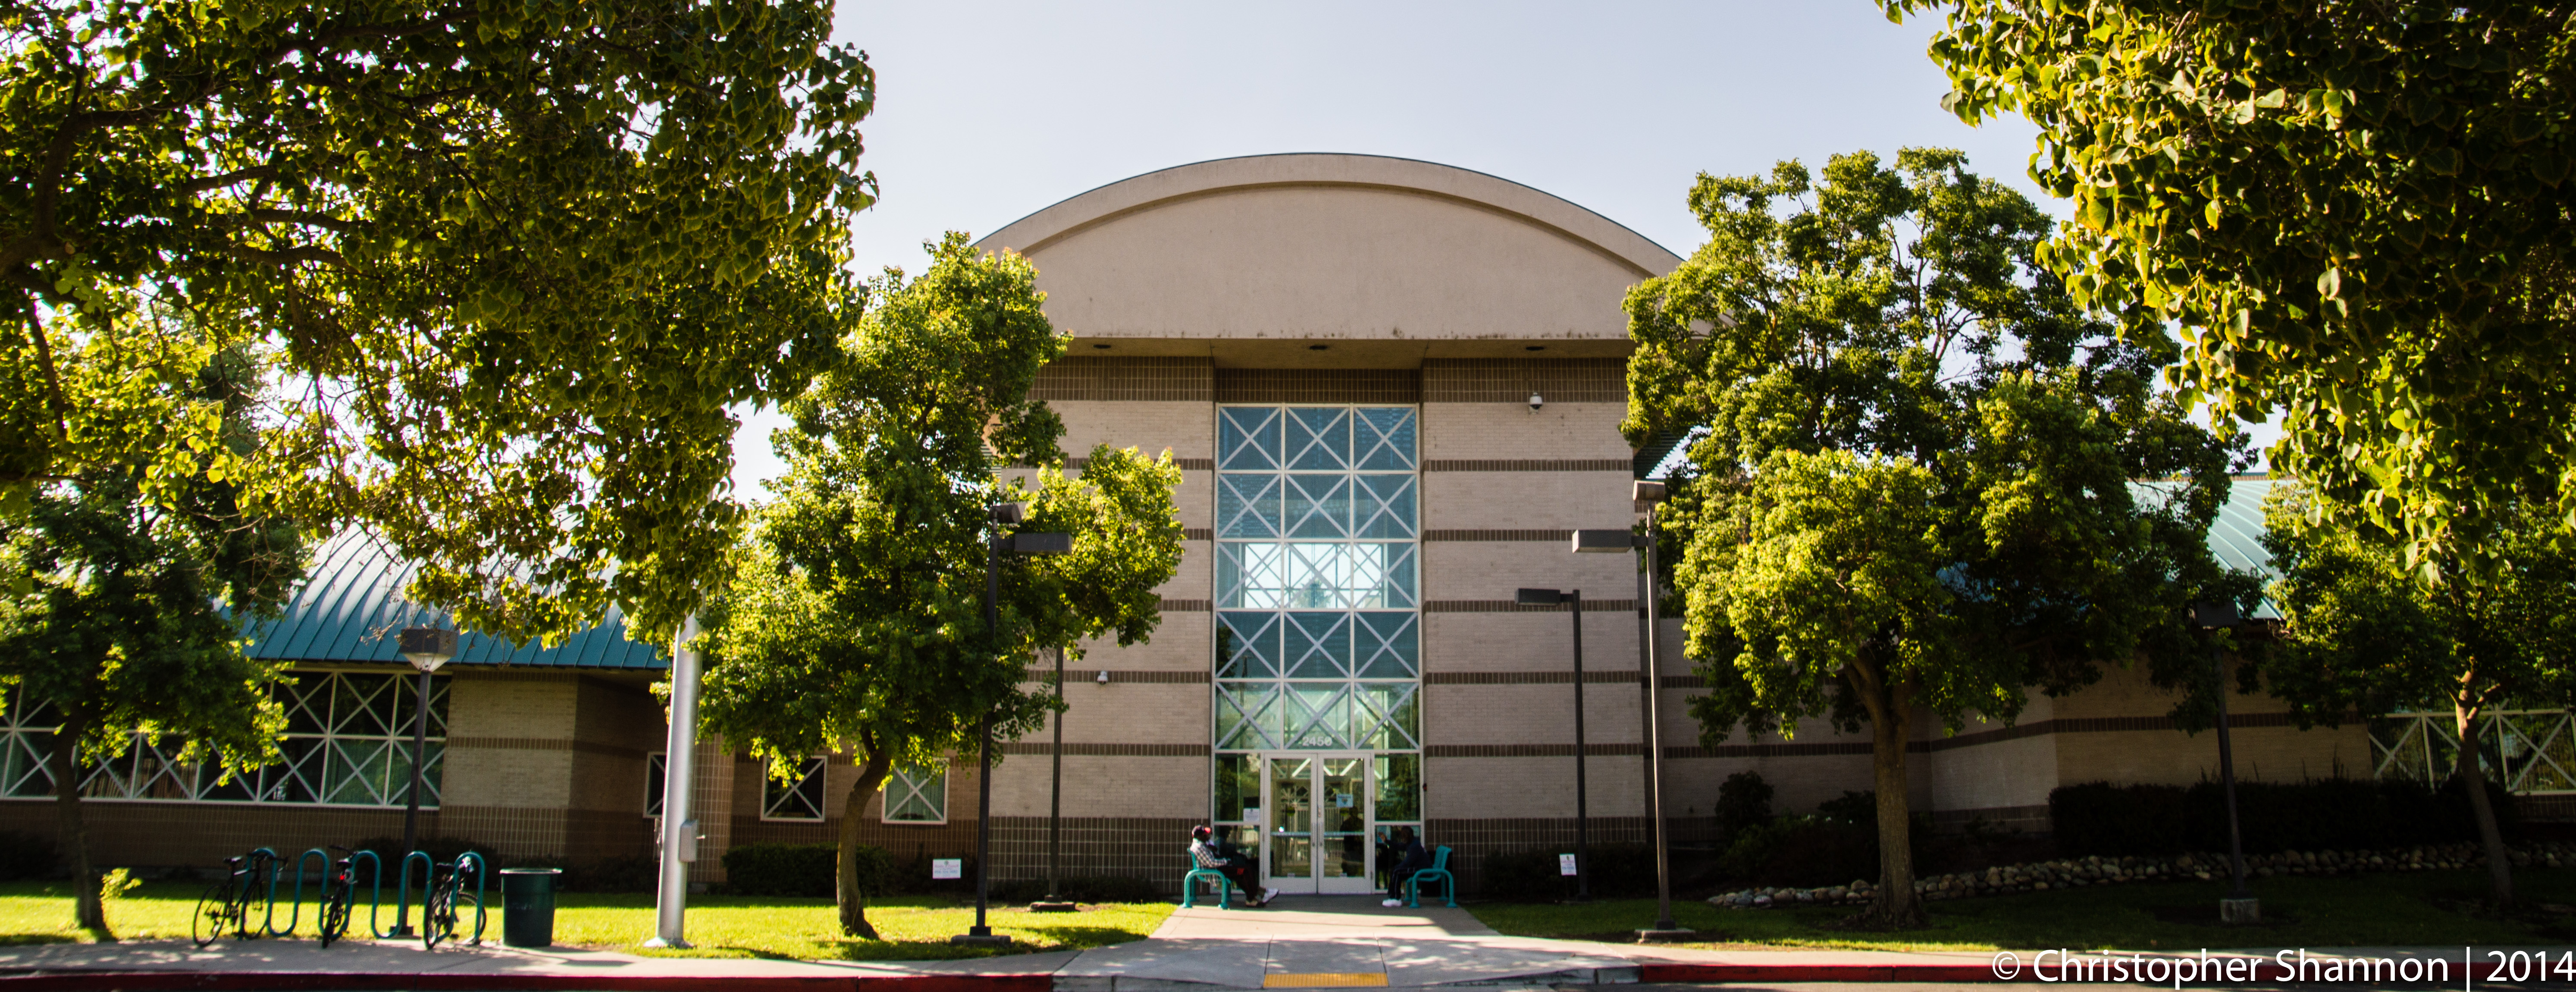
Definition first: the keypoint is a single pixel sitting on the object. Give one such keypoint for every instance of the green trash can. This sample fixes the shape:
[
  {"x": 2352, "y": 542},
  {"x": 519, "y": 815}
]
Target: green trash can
[{"x": 528, "y": 906}]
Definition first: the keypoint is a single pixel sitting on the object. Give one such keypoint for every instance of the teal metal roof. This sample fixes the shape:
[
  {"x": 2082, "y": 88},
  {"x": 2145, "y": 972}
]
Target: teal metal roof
[
  {"x": 350, "y": 608},
  {"x": 2236, "y": 537}
]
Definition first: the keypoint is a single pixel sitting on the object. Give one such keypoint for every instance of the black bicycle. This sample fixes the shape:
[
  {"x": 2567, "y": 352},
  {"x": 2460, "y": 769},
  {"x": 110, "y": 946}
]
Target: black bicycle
[
  {"x": 226, "y": 906},
  {"x": 336, "y": 896},
  {"x": 448, "y": 901}
]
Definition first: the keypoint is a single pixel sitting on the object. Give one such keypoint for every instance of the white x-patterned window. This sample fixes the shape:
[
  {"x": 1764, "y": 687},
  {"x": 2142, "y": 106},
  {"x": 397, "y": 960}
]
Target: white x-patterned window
[
  {"x": 801, "y": 799},
  {"x": 1318, "y": 635},
  {"x": 348, "y": 743},
  {"x": 917, "y": 795}
]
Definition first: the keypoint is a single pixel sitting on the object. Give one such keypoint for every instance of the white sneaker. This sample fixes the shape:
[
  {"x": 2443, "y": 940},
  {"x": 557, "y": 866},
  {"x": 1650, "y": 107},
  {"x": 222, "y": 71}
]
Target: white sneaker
[{"x": 1392, "y": 903}]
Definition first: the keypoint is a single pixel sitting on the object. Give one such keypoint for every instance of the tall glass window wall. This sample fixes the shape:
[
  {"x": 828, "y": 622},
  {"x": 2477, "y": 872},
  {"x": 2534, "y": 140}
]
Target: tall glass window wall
[{"x": 1318, "y": 633}]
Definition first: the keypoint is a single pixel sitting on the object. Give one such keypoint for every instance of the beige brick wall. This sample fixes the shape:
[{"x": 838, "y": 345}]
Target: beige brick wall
[
  {"x": 1527, "y": 501},
  {"x": 1510, "y": 430},
  {"x": 1529, "y": 641}
]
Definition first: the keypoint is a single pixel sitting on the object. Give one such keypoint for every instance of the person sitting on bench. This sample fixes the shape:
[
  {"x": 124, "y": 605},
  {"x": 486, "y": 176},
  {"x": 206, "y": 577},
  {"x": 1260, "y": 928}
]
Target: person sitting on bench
[
  {"x": 1216, "y": 855},
  {"x": 1410, "y": 857}
]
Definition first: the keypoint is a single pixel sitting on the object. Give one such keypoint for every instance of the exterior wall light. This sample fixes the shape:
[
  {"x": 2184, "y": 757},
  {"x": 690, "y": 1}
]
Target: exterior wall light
[
  {"x": 1104, "y": 676},
  {"x": 1536, "y": 401}
]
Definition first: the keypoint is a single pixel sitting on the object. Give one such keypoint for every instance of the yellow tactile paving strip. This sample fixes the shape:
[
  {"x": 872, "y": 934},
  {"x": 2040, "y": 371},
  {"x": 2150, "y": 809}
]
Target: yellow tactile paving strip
[{"x": 1324, "y": 979}]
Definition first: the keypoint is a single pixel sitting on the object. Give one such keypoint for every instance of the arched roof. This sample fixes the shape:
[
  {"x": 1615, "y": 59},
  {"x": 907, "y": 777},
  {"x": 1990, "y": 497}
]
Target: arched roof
[{"x": 1332, "y": 247}]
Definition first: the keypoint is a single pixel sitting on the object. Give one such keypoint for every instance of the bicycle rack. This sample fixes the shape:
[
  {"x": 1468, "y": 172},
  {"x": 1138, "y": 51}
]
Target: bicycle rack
[
  {"x": 482, "y": 873},
  {"x": 402, "y": 889},
  {"x": 378, "y": 877},
  {"x": 295, "y": 913},
  {"x": 268, "y": 912}
]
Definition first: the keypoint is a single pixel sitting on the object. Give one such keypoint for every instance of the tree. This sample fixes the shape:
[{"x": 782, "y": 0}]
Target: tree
[
  {"x": 2361, "y": 212},
  {"x": 518, "y": 260},
  {"x": 1912, "y": 480},
  {"x": 122, "y": 612},
  {"x": 2365, "y": 634},
  {"x": 855, "y": 619}
]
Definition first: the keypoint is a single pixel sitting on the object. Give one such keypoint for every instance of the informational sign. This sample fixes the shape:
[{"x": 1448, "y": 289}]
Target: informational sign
[
  {"x": 1565, "y": 865},
  {"x": 1345, "y": 800},
  {"x": 1252, "y": 815},
  {"x": 954, "y": 867}
]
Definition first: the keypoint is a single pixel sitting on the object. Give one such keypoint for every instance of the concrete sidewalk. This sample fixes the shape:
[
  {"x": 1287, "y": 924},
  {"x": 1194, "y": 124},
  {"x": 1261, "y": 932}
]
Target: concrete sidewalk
[{"x": 1310, "y": 942}]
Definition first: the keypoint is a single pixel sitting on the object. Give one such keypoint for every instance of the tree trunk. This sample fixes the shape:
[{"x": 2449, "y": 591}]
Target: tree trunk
[
  {"x": 64, "y": 763},
  {"x": 1895, "y": 905},
  {"x": 852, "y": 899},
  {"x": 2474, "y": 781}
]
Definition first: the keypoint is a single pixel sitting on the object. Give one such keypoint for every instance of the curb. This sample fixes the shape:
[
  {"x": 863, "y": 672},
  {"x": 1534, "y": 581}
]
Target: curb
[{"x": 254, "y": 981}]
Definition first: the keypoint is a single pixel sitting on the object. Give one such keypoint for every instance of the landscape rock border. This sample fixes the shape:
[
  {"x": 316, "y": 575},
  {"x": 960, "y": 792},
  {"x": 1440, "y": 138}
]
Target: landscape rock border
[{"x": 2070, "y": 873}]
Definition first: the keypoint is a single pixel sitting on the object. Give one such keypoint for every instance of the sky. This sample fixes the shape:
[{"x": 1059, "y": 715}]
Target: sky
[{"x": 990, "y": 111}]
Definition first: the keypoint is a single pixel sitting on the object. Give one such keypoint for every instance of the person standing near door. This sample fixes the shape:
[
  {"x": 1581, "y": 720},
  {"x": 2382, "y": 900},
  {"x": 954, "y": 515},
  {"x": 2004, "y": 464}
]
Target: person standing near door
[
  {"x": 1213, "y": 854},
  {"x": 1410, "y": 857}
]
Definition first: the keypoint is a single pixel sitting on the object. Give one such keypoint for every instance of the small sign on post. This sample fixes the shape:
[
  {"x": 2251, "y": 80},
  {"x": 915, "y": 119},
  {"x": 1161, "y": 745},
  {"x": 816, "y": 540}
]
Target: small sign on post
[
  {"x": 947, "y": 868},
  {"x": 1565, "y": 865}
]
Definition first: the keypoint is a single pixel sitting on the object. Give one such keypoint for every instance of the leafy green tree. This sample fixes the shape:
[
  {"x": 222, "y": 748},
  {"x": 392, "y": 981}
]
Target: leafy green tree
[
  {"x": 120, "y": 612},
  {"x": 2360, "y": 212},
  {"x": 2366, "y": 634},
  {"x": 855, "y": 619},
  {"x": 1912, "y": 484},
  {"x": 518, "y": 260}
]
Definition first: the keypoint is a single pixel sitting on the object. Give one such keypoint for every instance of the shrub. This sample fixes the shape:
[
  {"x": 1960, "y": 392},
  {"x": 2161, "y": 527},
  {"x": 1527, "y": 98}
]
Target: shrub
[
  {"x": 2342, "y": 814},
  {"x": 1110, "y": 888},
  {"x": 1803, "y": 851},
  {"x": 1532, "y": 875},
  {"x": 25, "y": 855},
  {"x": 802, "y": 870},
  {"x": 1743, "y": 802},
  {"x": 621, "y": 873}
]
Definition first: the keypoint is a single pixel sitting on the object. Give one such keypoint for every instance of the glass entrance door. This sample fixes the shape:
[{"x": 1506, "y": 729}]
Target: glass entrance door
[{"x": 1320, "y": 819}]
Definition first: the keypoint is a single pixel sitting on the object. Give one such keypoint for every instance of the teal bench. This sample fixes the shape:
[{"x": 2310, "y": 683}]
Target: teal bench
[
  {"x": 1190, "y": 884},
  {"x": 1438, "y": 872}
]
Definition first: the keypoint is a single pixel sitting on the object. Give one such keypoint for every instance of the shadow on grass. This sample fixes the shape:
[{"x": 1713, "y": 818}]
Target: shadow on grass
[{"x": 23, "y": 939}]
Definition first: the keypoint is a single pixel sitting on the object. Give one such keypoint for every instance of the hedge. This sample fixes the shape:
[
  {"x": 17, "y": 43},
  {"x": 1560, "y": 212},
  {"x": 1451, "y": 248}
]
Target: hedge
[
  {"x": 1617, "y": 870},
  {"x": 802, "y": 870},
  {"x": 2339, "y": 814}
]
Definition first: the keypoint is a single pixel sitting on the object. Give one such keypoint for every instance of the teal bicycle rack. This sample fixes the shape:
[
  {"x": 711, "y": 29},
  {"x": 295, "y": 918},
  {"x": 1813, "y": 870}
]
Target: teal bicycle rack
[
  {"x": 482, "y": 874},
  {"x": 295, "y": 909},
  {"x": 402, "y": 888}
]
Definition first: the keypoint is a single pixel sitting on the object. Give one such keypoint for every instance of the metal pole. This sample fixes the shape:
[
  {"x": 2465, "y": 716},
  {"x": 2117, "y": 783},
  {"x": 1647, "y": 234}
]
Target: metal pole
[
  {"x": 679, "y": 824},
  {"x": 1582, "y": 801},
  {"x": 1655, "y": 744},
  {"x": 2227, "y": 776},
  {"x": 984, "y": 745},
  {"x": 1055, "y": 793},
  {"x": 1645, "y": 700},
  {"x": 411, "y": 806}
]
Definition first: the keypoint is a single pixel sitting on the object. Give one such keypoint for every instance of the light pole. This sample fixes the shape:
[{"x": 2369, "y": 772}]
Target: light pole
[
  {"x": 679, "y": 823},
  {"x": 426, "y": 648},
  {"x": 1001, "y": 515},
  {"x": 1647, "y": 496},
  {"x": 1582, "y": 794},
  {"x": 2240, "y": 906},
  {"x": 1055, "y": 901}
]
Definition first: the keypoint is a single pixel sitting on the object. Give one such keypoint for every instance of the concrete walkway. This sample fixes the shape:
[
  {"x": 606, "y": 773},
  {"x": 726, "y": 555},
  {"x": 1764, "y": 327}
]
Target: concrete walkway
[{"x": 1309, "y": 942}]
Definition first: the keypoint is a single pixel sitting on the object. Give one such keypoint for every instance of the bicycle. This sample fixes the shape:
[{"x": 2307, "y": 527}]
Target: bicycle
[
  {"x": 447, "y": 900},
  {"x": 336, "y": 895},
  {"x": 226, "y": 905}
]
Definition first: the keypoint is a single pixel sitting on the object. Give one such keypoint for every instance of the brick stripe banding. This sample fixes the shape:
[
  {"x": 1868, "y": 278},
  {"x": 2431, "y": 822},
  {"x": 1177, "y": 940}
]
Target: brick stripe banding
[
  {"x": 1611, "y": 677},
  {"x": 1185, "y": 380},
  {"x": 1112, "y": 750},
  {"x": 1497, "y": 535},
  {"x": 1184, "y": 464},
  {"x": 1511, "y": 380},
  {"x": 541, "y": 744},
  {"x": 1508, "y": 606},
  {"x": 1592, "y": 749},
  {"x": 1319, "y": 386},
  {"x": 1193, "y": 677},
  {"x": 1198, "y": 533},
  {"x": 1527, "y": 465},
  {"x": 1185, "y": 606},
  {"x": 2072, "y": 725}
]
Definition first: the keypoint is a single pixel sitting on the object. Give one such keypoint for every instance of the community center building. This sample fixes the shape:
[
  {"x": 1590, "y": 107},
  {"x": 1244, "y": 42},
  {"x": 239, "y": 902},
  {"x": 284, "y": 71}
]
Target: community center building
[{"x": 1394, "y": 390}]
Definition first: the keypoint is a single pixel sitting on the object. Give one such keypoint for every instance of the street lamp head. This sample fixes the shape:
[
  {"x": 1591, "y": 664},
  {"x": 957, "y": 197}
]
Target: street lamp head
[
  {"x": 428, "y": 647},
  {"x": 1008, "y": 514},
  {"x": 2215, "y": 615},
  {"x": 1041, "y": 544},
  {"x": 1540, "y": 597},
  {"x": 1604, "y": 542},
  {"x": 1646, "y": 493}
]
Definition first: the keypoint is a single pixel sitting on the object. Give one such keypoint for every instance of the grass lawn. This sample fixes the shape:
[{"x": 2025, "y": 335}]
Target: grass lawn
[
  {"x": 2409, "y": 908},
  {"x": 917, "y": 927}
]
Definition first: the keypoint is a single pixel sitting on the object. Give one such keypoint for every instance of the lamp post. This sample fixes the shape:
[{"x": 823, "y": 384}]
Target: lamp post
[
  {"x": 1582, "y": 794},
  {"x": 1002, "y": 515},
  {"x": 2240, "y": 906},
  {"x": 679, "y": 822},
  {"x": 1647, "y": 496},
  {"x": 1055, "y": 901},
  {"x": 426, "y": 648}
]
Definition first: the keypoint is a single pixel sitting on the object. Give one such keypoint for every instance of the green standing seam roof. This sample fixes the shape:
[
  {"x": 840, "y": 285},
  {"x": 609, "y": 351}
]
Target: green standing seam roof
[{"x": 350, "y": 608}]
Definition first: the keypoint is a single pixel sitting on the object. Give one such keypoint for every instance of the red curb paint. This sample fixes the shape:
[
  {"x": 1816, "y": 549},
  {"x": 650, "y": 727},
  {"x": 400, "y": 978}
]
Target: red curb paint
[
  {"x": 232, "y": 981},
  {"x": 1694, "y": 973}
]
